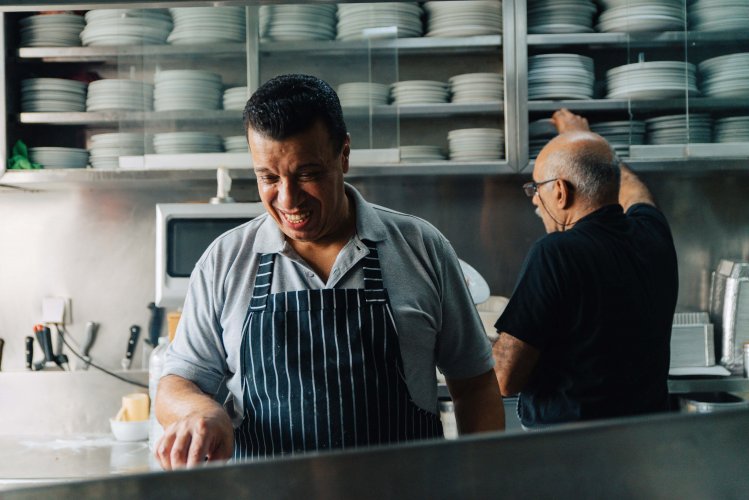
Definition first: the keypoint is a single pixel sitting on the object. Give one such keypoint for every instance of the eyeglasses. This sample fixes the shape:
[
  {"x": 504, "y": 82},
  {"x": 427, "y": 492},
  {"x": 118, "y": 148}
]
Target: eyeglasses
[{"x": 531, "y": 188}]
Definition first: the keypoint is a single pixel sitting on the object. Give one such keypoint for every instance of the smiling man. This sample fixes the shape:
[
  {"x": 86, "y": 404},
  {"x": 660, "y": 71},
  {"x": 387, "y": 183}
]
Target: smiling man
[{"x": 326, "y": 317}]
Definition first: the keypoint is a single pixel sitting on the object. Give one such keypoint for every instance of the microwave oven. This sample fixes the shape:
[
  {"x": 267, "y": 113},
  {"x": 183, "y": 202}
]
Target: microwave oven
[{"x": 183, "y": 232}]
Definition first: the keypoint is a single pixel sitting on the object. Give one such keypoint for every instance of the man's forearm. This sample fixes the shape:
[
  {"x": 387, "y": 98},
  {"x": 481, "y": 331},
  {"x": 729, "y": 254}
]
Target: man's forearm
[
  {"x": 478, "y": 404},
  {"x": 178, "y": 397}
]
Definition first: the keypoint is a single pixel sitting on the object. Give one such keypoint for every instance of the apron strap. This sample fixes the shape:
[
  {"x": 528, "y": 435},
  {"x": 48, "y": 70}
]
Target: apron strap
[
  {"x": 261, "y": 290},
  {"x": 374, "y": 288}
]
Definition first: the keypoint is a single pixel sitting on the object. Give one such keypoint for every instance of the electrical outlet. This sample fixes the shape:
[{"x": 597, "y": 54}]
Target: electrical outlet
[{"x": 57, "y": 310}]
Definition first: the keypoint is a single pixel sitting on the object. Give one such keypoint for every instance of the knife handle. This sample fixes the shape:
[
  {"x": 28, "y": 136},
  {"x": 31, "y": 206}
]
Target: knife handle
[
  {"x": 92, "y": 328},
  {"x": 29, "y": 353},
  {"x": 134, "y": 334},
  {"x": 44, "y": 337}
]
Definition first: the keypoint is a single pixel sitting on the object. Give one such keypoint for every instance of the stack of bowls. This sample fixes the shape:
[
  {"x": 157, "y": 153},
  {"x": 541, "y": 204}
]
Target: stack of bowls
[
  {"x": 51, "y": 30},
  {"x": 419, "y": 92},
  {"x": 642, "y": 15},
  {"x": 731, "y": 129},
  {"x": 476, "y": 87},
  {"x": 236, "y": 144},
  {"x": 354, "y": 18},
  {"x": 560, "y": 76},
  {"x": 115, "y": 94},
  {"x": 297, "y": 22},
  {"x": 621, "y": 134},
  {"x": 126, "y": 27},
  {"x": 52, "y": 95},
  {"x": 465, "y": 18},
  {"x": 725, "y": 76},
  {"x": 652, "y": 80},
  {"x": 197, "y": 25},
  {"x": 54, "y": 157},
  {"x": 476, "y": 144},
  {"x": 679, "y": 129},
  {"x": 363, "y": 94},
  {"x": 718, "y": 15},
  {"x": 187, "y": 89},
  {"x": 561, "y": 16},
  {"x": 105, "y": 149},
  {"x": 421, "y": 153},
  {"x": 235, "y": 98},
  {"x": 172, "y": 143}
]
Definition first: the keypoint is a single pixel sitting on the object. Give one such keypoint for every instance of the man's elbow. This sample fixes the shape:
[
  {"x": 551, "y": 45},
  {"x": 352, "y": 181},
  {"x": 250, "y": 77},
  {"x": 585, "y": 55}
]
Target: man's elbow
[{"x": 508, "y": 385}]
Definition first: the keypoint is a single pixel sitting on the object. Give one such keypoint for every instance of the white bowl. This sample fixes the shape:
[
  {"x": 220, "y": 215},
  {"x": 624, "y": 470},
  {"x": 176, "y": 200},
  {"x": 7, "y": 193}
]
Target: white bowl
[{"x": 129, "y": 431}]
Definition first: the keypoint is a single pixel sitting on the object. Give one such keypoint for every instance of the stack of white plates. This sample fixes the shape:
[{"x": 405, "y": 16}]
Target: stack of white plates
[
  {"x": 353, "y": 18},
  {"x": 679, "y": 129},
  {"x": 52, "y": 157},
  {"x": 106, "y": 149},
  {"x": 185, "y": 89},
  {"x": 419, "y": 92},
  {"x": 539, "y": 133},
  {"x": 236, "y": 98},
  {"x": 642, "y": 15},
  {"x": 421, "y": 153},
  {"x": 115, "y": 94},
  {"x": 173, "y": 143},
  {"x": 51, "y": 30},
  {"x": 476, "y": 144},
  {"x": 652, "y": 80},
  {"x": 126, "y": 27},
  {"x": 464, "y": 18},
  {"x": 476, "y": 87},
  {"x": 718, "y": 15},
  {"x": 725, "y": 76},
  {"x": 561, "y": 16},
  {"x": 197, "y": 25},
  {"x": 236, "y": 144},
  {"x": 621, "y": 134},
  {"x": 52, "y": 95},
  {"x": 731, "y": 129},
  {"x": 297, "y": 22},
  {"x": 363, "y": 94},
  {"x": 560, "y": 76}
]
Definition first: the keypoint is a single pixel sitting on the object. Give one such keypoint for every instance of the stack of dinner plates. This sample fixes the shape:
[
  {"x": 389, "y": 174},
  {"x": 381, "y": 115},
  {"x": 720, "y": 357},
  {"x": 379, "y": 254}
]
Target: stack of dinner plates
[
  {"x": 116, "y": 94},
  {"x": 476, "y": 144},
  {"x": 363, "y": 94},
  {"x": 297, "y": 22},
  {"x": 476, "y": 87},
  {"x": 652, "y": 80},
  {"x": 465, "y": 18},
  {"x": 621, "y": 134},
  {"x": 52, "y": 95},
  {"x": 126, "y": 27},
  {"x": 718, "y": 15},
  {"x": 679, "y": 129},
  {"x": 642, "y": 15},
  {"x": 172, "y": 143},
  {"x": 419, "y": 92},
  {"x": 731, "y": 129},
  {"x": 354, "y": 18},
  {"x": 51, "y": 30},
  {"x": 421, "y": 153},
  {"x": 185, "y": 89},
  {"x": 198, "y": 25},
  {"x": 561, "y": 16},
  {"x": 560, "y": 76},
  {"x": 725, "y": 76},
  {"x": 53, "y": 157},
  {"x": 105, "y": 149},
  {"x": 539, "y": 133},
  {"x": 236, "y": 144},
  {"x": 235, "y": 98}
]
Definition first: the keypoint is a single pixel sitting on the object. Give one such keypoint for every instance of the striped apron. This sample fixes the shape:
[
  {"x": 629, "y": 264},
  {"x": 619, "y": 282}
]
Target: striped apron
[{"x": 322, "y": 369}]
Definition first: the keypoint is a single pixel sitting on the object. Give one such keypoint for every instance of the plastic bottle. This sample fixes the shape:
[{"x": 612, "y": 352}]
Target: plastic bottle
[{"x": 155, "y": 367}]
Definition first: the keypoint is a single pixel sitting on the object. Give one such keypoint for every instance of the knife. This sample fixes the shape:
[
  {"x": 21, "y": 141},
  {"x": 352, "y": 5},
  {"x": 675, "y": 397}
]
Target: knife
[
  {"x": 29, "y": 353},
  {"x": 44, "y": 337},
  {"x": 128, "y": 359},
  {"x": 2, "y": 344},
  {"x": 92, "y": 329},
  {"x": 154, "y": 325}
]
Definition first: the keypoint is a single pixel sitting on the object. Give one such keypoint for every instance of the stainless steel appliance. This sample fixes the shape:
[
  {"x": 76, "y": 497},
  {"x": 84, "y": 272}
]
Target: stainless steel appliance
[{"x": 729, "y": 312}]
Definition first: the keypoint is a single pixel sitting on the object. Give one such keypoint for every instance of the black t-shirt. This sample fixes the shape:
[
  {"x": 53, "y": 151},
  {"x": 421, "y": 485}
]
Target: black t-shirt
[{"x": 598, "y": 302}]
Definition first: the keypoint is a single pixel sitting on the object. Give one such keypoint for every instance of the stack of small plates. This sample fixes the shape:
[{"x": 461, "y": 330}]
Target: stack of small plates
[
  {"x": 642, "y": 15},
  {"x": 52, "y": 157},
  {"x": 197, "y": 25},
  {"x": 363, "y": 94},
  {"x": 621, "y": 134},
  {"x": 652, "y": 80},
  {"x": 184, "y": 89},
  {"x": 476, "y": 87},
  {"x": 419, "y": 92},
  {"x": 126, "y": 27},
  {"x": 476, "y": 144},
  {"x": 718, "y": 15},
  {"x": 115, "y": 94},
  {"x": 539, "y": 133},
  {"x": 354, "y": 18},
  {"x": 51, "y": 30},
  {"x": 236, "y": 98},
  {"x": 731, "y": 129},
  {"x": 560, "y": 76},
  {"x": 561, "y": 16},
  {"x": 106, "y": 149},
  {"x": 725, "y": 76},
  {"x": 679, "y": 129},
  {"x": 52, "y": 95},
  {"x": 297, "y": 22},
  {"x": 173, "y": 143},
  {"x": 236, "y": 144},
  {"x": 465, "y": 18},
  {"x": 421, "y": 153}
]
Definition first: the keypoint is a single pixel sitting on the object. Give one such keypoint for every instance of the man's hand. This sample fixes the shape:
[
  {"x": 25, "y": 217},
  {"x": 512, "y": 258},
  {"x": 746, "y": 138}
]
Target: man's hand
[{"x": 567, "y": 121}]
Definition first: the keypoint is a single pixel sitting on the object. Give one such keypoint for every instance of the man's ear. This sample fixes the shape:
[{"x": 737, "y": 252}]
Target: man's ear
[
  {"x": 345, "y": 153},
  {"x": 564, "y": 193}
]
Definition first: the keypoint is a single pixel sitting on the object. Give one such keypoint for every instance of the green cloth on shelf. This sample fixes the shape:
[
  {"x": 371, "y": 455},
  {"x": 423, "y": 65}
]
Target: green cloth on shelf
[{"x": 19, "y": 159}]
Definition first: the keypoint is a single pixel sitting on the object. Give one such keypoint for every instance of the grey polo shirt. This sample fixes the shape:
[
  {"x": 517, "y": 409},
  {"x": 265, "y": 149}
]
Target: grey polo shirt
[{"x": 437, "y": 322}]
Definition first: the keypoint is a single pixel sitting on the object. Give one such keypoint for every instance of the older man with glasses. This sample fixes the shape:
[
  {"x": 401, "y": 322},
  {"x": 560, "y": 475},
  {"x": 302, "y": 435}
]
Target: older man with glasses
[{"x": 586, "y": 333}]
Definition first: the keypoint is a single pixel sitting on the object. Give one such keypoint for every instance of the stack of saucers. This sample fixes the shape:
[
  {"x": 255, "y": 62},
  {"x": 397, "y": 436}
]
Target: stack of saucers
[
  {"x": 476, "y": 144},
  {"x": 731, "y": 129},
  {"x": 419, "y": 92},
  {"x": 718, "y": 15},
  {"x": 197, "y": 25},
  {"x": 560, "y": 76},
  {"x": 725, "y": 76},
  {"x": 116, "y": 94},
  {"x": 297, "y": 22},
  {"x": 652, "y": 80},
  {"x": 421, "y": 153},
  {"x": 126, "y": 27},
  {"x": 172, "y": 143},
  {"x": 465, "y": 18},
  {"x": 236, "y": 144},
  {"x": 105, "y": 149},
  {"x": 51, "y": 30},
  {"x": 53, "y": 157},
  {"x": 621, "y": 134},
  {"x": 363, "y": 94},
  {"x": 679, "y": 129},
  {"x": 186, "y": 89},
  {"x": 539, "y": 133},
  {"x": 354, "y": 18},
  {"x": 561, "y": 16},
  {"x": 235, "y": 98},
  {"x": 476, "y": 87},
  {"x": 641, "y": 15},
  {"x": 52, "y": 95}
]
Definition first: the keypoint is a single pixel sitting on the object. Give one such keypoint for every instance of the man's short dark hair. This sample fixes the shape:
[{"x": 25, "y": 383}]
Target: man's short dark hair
[{"x": 287, "y": 105}]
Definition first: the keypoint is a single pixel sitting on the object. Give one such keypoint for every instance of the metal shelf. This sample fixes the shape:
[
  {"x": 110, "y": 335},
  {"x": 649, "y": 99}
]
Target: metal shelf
[
  {"x": 643, "y": 105},
  {"x": 487, "y": 43},
  {"x": 662, "y": 39},
  {"x": 87, "y": 54}
]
